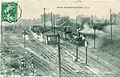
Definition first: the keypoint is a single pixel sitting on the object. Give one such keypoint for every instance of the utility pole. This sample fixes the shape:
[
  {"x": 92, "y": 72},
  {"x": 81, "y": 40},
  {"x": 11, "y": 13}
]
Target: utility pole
[
  {"x": 1, "y": 35},
  {"x": 51, "y": 20},
  {"x": 94, "y": 37},
  {"x": 54, "y": 25},
  {"x": 91, "y": 19},
  {"x": 76, "y": 19},
  {"x": 111, "y": 22},
  {"x": 1, "y": 32},
  {"x": 77, "y": 42},
  {"x": 59, "y": 55},
  {"x": 94, "y": 28},
  {"x": 2, "y": 44},
  {"x": 44, "y": 18}
]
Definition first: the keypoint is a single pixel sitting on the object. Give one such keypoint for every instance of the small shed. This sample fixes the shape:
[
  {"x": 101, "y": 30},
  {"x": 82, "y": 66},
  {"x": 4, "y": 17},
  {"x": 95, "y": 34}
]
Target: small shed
[
  {"x": 45, "y": 35},
  {"x": 50, "y": 38}
]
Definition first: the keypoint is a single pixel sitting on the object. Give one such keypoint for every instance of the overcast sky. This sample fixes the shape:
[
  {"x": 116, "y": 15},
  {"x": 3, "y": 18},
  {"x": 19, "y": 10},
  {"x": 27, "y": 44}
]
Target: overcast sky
[
  {"x": 60, "y": 0},
  {"x": 31, "y": 10}
]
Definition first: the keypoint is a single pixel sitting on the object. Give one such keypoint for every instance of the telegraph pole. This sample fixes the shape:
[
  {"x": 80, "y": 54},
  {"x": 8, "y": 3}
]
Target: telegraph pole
[
  {"x": 2, "y": 47},
  {"x": 44, "y": 18},
  {"x": 76, "y": 19},
  {"x": 111, "y": 22},
  {"x": 91, "y": 19},
  {"x": 1, "y": 32},
  {"x": 54, "y": 25},
  {"x": 94, "y": 37},
  {"x": 59, "y": 55},
  {"x": 77, "y": 42},
  {"x": 94, "y": 28},
  {"x": 51, "y": 20},
  {"x": 1, "y": 35}
]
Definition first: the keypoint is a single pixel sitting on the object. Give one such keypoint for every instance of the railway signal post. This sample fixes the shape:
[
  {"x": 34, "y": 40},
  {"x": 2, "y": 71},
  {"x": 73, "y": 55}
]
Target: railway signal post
[
  {"x": 76, "y": 51},
  {"x": 86, "y": 46},
  {"x": 78, "y": 39},
  {"x": 24, "y": 35}
]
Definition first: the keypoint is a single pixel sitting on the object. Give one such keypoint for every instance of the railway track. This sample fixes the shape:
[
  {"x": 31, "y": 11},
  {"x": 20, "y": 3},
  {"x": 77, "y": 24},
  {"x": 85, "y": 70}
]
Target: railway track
[
  {"x": 37, "y": 61},
  {"x": 71, "y": 47},
  {"x": 48, "y": 57},
  {"x": 28, "y": 60},
  {"x": 52, "y": 58},
  {"x": 43, "y": 47},
  {"x": 43, "y": 50}
]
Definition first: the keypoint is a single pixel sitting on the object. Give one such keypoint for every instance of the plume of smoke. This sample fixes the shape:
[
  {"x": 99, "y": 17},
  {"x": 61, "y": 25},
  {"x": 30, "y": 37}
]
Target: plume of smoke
[{"x": 88, "y": 30}]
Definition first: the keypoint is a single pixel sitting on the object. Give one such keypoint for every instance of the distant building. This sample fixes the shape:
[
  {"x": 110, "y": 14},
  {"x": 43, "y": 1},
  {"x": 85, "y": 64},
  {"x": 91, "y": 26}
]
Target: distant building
[
  {"x": 44, "y": 35},
  {"x": 116, "y": 18}
]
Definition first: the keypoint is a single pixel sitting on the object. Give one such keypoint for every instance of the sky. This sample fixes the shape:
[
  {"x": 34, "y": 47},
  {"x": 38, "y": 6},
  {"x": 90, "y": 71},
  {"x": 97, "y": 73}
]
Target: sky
[
  {"x": 60, "y": 0},
  {"x": 101, "y": 9}
]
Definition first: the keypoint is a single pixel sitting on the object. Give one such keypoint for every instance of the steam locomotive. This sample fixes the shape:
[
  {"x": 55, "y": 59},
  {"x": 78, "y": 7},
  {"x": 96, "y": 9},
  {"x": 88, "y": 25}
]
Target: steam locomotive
[{"x": 65, "y": 34}]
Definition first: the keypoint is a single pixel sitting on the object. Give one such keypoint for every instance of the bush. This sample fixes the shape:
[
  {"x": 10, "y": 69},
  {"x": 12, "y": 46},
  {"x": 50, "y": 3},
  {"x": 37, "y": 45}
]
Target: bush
[{"x": 111, "y": 46}]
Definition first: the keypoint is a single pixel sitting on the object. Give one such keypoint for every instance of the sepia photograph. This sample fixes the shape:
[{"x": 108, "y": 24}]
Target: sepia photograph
[{"x": 60, "y": 38}]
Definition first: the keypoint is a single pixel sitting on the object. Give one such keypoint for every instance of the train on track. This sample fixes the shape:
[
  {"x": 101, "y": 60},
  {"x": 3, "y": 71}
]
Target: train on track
[{"x": 66, "y": 34}]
